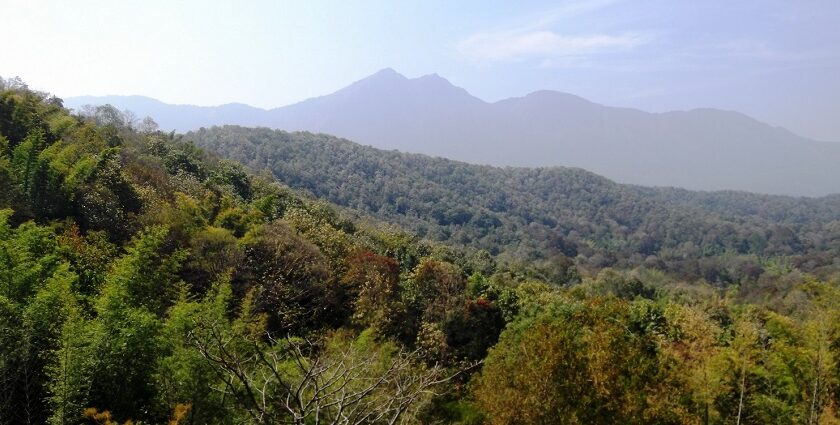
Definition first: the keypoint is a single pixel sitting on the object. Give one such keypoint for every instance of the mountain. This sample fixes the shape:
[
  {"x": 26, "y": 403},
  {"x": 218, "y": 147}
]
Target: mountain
[
  {"x": 703, "y": 149},
  {"x": 175, "y": 117}
]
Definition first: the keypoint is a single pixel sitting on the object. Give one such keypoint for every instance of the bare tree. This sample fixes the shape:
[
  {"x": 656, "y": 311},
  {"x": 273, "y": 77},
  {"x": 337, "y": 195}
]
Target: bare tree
[
  {"x": 129, "y": 118},
  {"x": 148, "y": 126},
  {"x": 14, "y": 83},
  {"x": 294, "y": 381}
]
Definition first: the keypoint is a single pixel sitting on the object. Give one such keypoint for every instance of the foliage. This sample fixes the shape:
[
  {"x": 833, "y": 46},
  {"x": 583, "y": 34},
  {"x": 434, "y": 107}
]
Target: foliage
[
  {"x": 144, "y": 280},
  {"x": 537, "y": 220}
]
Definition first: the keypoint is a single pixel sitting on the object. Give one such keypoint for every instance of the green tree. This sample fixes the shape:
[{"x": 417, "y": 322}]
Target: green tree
[
  {"x": 183, "y": 376},
  {"x": 593, "y": 362},
  {"x": 290, "y": 275}
]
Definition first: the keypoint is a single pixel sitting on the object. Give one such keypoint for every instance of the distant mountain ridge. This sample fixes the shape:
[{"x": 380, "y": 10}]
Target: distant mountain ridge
[{"x": 701, "y": 149}]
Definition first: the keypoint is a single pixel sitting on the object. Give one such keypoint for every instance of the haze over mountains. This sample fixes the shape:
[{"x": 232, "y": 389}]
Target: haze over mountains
[{"x": 703, "y": 149}]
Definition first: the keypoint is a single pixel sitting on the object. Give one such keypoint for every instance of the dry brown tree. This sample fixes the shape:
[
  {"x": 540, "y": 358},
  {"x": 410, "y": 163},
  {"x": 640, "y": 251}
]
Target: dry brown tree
[{"x": 340, "y": 381}]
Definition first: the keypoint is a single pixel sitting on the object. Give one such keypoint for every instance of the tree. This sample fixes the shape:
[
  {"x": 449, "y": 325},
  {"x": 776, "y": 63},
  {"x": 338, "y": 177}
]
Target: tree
[
  {"x": 214, "y": 251},
  {"x": 43, "y": 321},
  {"x": 437, "y": 288},
  {"x": 372, "y": 283},
  {"x": 294, "y": 381},
  {"x": 35, "y": 300},
  {"x": 290, "y": 275},
  {"x": 108, "y": 362},
  {"x": 592, "y": 362},
  {"x": 148, "y": 126},
  {"x": 695, "y": 349},
  {"x": 129, "y": 118},
  {"x": 182, "y": 375},
  {"x": 147, "y": 275}
]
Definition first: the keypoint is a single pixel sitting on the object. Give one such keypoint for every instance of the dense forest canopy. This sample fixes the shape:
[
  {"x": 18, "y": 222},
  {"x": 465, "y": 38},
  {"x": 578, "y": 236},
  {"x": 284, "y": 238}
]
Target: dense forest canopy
[
  {"x": 541, "y": 215},
  {"x": 144, "y": 279}
]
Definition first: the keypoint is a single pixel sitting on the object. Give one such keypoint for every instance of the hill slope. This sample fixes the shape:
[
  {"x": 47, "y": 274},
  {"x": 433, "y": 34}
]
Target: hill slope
[
  {"x": 703, "y": 149},
  {"x": 143, "y": 280},
  {"x": 129, "y": 261},
  {"x": 536, "y": 213}
]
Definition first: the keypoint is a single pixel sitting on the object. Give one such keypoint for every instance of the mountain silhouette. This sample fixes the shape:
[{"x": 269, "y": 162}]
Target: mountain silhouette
[{"x": 701, "y": 149}]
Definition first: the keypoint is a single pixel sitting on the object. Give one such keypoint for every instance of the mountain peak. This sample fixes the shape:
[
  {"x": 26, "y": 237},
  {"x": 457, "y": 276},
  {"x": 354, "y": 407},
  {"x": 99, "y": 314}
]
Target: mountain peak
[
  {"x": 389, "y": 75},
  {"x": 388, "y": 83},
  {"x": 386, "y": 73},
  {"x": 433, "y": 79},
  {"x": 432, "y": 76},
  {"x": 556, "y": 95},
  {"x": 548, "y": 100},
  {"x": 386, "y": 77}
]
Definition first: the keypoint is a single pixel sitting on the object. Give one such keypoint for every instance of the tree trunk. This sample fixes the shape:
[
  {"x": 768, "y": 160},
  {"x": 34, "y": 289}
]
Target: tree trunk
[{"x": 743, "y": 389}]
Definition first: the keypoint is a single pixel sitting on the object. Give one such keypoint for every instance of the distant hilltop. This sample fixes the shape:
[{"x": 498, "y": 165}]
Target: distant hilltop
[{"x": 701, "y": 149}]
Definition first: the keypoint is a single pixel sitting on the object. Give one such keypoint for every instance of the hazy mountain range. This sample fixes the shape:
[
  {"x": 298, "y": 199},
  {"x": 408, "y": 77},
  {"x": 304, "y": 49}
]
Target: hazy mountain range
[{"x": 704, "y": 149}]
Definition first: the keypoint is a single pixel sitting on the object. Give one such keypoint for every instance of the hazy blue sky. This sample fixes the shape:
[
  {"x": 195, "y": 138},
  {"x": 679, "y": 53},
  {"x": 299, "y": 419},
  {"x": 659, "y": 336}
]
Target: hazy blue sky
[{"x": 778, "y": 61}]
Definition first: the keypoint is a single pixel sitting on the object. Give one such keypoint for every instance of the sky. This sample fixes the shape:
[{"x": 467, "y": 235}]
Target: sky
[{"x": 775, "y": 60}]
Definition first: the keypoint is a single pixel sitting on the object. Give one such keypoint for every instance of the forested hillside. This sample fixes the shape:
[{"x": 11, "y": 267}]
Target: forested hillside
[
  {"x": 546, "y": 216},
  {"x": 143, "y": 279}
]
